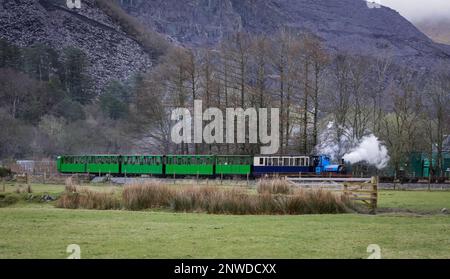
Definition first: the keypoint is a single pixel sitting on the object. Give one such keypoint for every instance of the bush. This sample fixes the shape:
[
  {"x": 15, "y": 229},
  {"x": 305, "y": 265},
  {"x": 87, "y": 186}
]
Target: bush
[
  {"x": 8, "y": 199},
  {"x": 4, "y": 172}
]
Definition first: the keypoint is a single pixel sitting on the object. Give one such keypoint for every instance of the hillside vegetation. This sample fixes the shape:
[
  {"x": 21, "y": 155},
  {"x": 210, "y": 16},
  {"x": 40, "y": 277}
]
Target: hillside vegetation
[{"x": 154, "y": 43}]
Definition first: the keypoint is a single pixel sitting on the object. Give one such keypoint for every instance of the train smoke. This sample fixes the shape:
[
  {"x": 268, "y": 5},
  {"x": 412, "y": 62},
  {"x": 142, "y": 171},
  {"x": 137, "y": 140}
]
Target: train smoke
[{"x": 369, "y": 150}]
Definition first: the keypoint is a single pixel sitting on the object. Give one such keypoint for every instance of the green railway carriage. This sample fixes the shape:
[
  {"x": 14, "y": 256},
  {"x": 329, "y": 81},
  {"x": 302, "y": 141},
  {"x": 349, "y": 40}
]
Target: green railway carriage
[
  {"x": 233, "y": 165},
  {"x": 190, "y": 164},
  {"x": 71, "y": 164},
  {"x": 103, "y": 164},
  {"x": 132, "y": 165}
]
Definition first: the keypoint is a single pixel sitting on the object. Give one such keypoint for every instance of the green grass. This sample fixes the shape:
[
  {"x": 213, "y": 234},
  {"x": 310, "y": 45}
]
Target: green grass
[
  {"x": 415, "y": 200},
  {"x": 39, "y": 230}
]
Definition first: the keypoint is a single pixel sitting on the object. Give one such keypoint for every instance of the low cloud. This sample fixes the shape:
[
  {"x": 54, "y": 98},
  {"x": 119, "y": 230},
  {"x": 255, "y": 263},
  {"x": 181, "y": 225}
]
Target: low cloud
[{"x": 416, "y": 10}]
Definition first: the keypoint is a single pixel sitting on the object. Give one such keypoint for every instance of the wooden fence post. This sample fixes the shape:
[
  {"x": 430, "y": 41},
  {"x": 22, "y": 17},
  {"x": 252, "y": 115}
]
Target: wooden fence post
[{"x": 374, "y": 195}]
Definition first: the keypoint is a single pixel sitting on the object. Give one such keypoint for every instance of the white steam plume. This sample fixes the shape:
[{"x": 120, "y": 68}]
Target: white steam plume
[{"x": 369, "y": 150}]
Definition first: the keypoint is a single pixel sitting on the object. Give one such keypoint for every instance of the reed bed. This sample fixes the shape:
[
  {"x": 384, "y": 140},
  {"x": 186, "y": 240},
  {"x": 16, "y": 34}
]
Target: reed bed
[
  {"x": 271, "y": 198},
  {"x": 274, "y": 186},
  {"x": 276, "y": 198},
  {"x": 77, "y": 197}
]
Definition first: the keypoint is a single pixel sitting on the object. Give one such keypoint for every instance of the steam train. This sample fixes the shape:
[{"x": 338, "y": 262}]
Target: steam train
[{"x": 198, "y": 165}]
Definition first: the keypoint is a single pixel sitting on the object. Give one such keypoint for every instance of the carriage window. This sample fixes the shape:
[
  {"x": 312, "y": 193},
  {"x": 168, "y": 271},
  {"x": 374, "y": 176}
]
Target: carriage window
[
  {"x": 286, "y": 161},
  {"x": 307, "y": 161},
  {"x": 261, "y": 161},
  {"x": 302, "y": 161},
  {"x": 275, "y": 161}
]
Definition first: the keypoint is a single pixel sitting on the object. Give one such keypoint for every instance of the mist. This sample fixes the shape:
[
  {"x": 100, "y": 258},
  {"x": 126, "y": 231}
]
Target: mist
[{"x": 418, "y": 10}]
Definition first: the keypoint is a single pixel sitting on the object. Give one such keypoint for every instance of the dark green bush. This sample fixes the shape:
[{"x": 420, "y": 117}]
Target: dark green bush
[
  {"x": 8, "y": 199},
  {"x": 5, "y": 172}
]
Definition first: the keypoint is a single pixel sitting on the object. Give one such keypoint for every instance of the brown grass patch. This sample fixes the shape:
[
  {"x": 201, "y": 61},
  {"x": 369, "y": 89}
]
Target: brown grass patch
[
  {"x": 274, "y": 186},
  {"x": 75, "y": 197},
  {"x": 272, "y": 198}
]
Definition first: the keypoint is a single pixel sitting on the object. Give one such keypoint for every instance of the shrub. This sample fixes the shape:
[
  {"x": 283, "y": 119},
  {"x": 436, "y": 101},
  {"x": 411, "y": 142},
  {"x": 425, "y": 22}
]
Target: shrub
[
  {"x": 8, "y": 199},
  {"x": 4, "y": 172}
]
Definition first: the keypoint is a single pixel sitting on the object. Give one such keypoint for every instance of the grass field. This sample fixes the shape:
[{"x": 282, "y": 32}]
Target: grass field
[{"x": 414, "y": 229}]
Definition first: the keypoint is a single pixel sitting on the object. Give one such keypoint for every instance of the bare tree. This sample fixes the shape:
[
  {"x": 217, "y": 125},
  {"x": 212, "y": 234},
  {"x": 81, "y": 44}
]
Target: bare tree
[
  {"x": 438, "y": 95},
  {"x": 400, "y": 129}
]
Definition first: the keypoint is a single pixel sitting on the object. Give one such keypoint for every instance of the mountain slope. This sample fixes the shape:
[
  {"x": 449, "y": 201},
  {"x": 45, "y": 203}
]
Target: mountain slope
[
  {"x": 347, "y": 25},
  {"x": 438, "y": 30},
  {"x": 111, "y": 52}
]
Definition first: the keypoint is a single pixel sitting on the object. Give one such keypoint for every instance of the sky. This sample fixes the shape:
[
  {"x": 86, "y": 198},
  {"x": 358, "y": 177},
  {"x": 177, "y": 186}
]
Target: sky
[{"x": 416, "y": 10}]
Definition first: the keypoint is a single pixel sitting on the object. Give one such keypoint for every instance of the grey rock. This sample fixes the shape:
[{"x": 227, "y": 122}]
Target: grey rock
[
  {"x": 345, "y": 25},
  {"x": 111, "y": 52}
]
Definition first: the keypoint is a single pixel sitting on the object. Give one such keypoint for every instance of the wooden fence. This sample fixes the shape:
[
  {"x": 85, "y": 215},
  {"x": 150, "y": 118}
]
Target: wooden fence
[{"x": 364, "y": 190}]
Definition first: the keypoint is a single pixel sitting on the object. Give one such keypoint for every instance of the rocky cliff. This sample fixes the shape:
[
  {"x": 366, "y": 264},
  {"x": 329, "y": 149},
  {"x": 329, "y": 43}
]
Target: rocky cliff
[
  {"x": 348, "y": 25},
  {"x": 345, "y": 25},
  {"x": 112, "y": 53}
]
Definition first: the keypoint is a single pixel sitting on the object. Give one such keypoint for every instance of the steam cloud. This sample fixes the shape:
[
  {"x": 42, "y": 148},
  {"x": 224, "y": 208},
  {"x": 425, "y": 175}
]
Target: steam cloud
[{"x": 369, "y": 150}]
